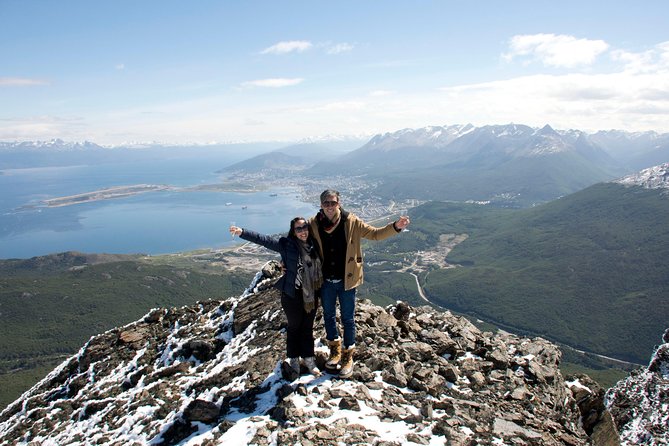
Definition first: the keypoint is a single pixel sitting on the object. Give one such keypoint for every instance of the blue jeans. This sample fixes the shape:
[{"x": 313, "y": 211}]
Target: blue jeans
[{"x": 329, "y": 293}]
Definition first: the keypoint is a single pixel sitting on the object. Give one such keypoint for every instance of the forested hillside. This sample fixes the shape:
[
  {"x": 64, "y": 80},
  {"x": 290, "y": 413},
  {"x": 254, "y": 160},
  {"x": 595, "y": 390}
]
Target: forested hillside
[{"x": 588, "y": 270}]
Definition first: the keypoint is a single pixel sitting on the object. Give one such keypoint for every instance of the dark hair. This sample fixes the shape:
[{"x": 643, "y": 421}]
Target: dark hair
[
  {"x": 291, "y": 232},
  {"x": 329, "y": 193}
]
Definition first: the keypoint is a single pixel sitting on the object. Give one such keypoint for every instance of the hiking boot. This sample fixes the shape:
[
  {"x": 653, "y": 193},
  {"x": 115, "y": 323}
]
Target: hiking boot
[
  {"x": 310, "y": 364},
  {"x": 295, "y": 364},
  {"x": 335, "y": 354},
  {"x": 346, "y": 362}
]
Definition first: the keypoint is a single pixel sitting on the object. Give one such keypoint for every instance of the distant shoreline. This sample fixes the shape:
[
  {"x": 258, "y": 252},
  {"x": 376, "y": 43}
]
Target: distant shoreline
[
  {"x": 103, "y": 194},
  {"x": 136, "y": 189}
]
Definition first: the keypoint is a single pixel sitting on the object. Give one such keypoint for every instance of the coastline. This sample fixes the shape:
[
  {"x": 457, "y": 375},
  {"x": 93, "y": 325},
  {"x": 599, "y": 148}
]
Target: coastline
[
  {"x": 103, "y": 194},
  {"x": 136, "y": 189}
]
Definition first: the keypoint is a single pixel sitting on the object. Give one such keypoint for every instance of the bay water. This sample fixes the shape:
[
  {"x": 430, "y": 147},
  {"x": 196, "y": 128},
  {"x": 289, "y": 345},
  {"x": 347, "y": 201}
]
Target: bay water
[{"x": 157, "y": 222}]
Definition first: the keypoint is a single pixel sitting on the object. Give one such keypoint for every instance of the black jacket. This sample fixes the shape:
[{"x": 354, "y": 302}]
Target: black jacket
[{"x": 290, "y": 253}]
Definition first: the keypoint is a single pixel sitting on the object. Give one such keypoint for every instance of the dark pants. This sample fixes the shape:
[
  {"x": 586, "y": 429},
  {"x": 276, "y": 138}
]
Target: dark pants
[{"x": 300, "y": 331}]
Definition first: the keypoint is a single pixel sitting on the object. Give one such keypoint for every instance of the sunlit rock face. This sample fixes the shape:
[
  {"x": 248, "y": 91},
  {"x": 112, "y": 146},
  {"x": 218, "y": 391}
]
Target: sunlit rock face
[
  {"x": 640, "y": 403},
  {"x": 656, "y": 177}
]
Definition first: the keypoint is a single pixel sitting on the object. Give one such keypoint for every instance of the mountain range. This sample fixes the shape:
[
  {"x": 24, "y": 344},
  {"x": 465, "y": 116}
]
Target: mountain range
[
  {"x": 57, "y": 153},
  {"x": 509, "y": 165},
  {"x": 635, "y": 151},
  {"x": 294, "y": 158}
]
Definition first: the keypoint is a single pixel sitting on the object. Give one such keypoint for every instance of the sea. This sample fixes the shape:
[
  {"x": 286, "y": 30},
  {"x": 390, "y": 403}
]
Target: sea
[{"x": 158, "y": 222}]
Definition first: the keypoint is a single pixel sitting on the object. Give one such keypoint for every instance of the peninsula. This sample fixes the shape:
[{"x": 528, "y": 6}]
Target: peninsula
[
  {"x": 104, "y": 194},
  {"x": 127, "y": 191}
]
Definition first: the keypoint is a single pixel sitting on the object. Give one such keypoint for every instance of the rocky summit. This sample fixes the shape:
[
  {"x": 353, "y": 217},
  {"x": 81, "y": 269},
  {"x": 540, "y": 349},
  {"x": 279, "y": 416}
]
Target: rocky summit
[
  {"x": 215, "y": 374},
  {"x": 640, "y": 403}
]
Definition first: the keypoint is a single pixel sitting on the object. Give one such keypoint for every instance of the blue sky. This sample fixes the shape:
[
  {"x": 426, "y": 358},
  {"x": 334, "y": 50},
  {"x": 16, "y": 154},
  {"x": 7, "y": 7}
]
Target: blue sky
[{"x": 121, "y": 71}]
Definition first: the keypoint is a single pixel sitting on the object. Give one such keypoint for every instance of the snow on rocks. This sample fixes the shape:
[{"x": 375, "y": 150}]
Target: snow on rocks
[
  {"x": 214, "y": 373},
  {"x": 640, "y": 403},
  {"x": 656, "y": 177}
]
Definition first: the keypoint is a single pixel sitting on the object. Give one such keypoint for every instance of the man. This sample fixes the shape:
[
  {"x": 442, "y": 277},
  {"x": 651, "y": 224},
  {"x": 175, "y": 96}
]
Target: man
[{"x": 338, "y": 234}]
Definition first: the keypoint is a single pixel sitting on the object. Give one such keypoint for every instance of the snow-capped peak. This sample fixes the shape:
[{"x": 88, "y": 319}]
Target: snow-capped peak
[
  {"x": 334, "y": 138},
  {"x": 656, "y": 177},
  {"x": 51, "y": 145},
  {"x": 430, "y": 136}
]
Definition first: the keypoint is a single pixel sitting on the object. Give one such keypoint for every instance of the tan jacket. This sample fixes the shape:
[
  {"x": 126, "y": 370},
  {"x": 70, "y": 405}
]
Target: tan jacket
[{"x": 355, "y": 229}]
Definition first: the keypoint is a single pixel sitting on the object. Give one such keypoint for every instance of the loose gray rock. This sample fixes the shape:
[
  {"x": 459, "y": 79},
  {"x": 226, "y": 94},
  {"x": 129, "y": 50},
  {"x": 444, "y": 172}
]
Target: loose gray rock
[{"x": 210, "y": 371}]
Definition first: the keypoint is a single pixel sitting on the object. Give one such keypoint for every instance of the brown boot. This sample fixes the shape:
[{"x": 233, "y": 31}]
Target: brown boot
[
  {"x": 335, "y": 354},
  {"x": 346, "y": 362}
]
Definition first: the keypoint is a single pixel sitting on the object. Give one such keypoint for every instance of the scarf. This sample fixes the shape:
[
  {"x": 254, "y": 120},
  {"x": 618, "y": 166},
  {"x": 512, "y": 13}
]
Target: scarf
[
  {"x": 309, "y": 275},
  {"x": 327, "y": 224}
]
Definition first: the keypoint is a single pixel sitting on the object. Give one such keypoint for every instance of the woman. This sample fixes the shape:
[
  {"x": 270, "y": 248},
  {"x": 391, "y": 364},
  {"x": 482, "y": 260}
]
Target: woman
[{"x": 299, "y": 285}]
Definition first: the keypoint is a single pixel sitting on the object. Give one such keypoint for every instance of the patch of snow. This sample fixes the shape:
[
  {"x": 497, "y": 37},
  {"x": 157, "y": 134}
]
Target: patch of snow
[{"x": 655, "y": 177}]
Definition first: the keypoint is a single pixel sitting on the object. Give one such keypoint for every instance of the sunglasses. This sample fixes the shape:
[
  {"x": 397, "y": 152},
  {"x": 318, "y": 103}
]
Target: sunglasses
[
  {"x": 301, "y": 228},
  {"x": 329, "y": 204}
]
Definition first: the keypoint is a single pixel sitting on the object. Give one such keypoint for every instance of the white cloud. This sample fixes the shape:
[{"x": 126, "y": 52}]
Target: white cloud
[
  {"x": 120, "y": 66},
  {"x": 304, "y": 45},
  {"x": 341, "y": 106},
  {"x": 273, "y": 82},
  {"x": 653, "y": 60},
  {"x": 254, "y": 122},
  {"x": 636, "y": 62},
  {"x": 555, "y": 50},
  {"x": 623, "y": 100},
  {"x": 20, "y": 82},
  {"x": 340, "y": 48},
  {"x": 288, "y": 47},
  {"x": 663, "y": 49},
  {"x": 42, "y": 127},
  {"x": 379, "y": 93}
]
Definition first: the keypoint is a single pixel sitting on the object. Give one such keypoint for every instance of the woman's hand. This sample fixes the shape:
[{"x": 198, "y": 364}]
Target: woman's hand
[
  {"x": 402, "y": 223},
  {"x": 235, "y": 230}
]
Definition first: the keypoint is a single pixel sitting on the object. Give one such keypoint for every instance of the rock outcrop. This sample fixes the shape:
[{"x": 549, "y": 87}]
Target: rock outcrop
[
  {"x": 640, "y": 403},
  {"x": 214, "y": 374},
  {"x": 595, "y": 417}
]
